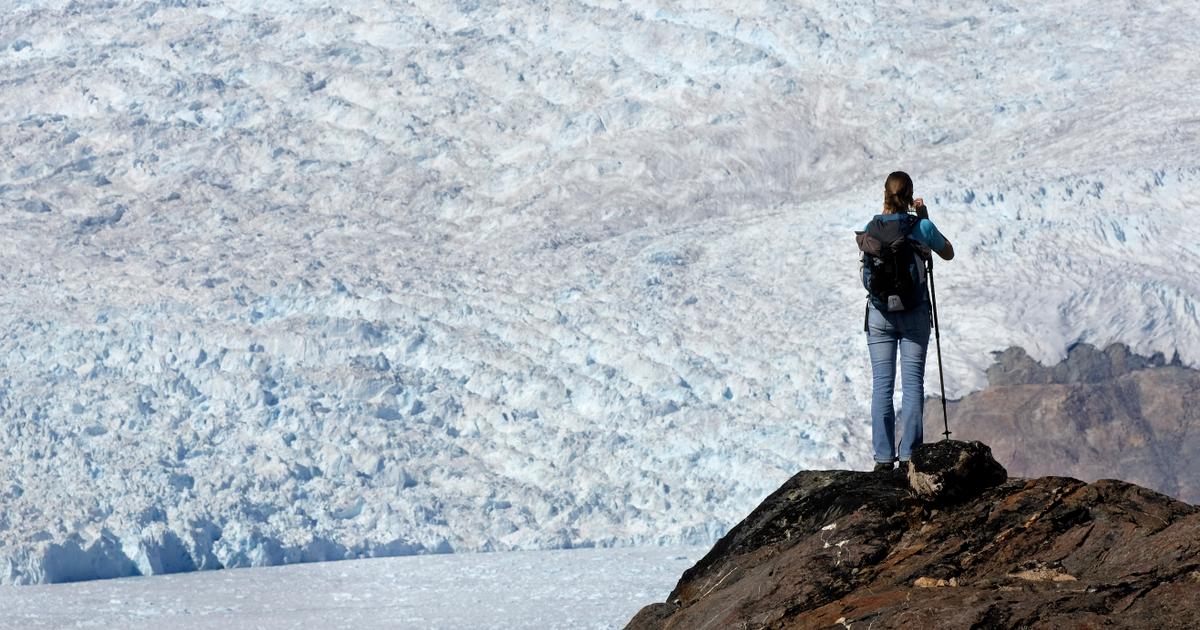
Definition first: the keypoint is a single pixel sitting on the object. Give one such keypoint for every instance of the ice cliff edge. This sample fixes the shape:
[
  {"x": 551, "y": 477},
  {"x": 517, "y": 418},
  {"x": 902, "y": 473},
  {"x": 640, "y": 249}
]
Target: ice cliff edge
[{"x": 954, "y": 543}]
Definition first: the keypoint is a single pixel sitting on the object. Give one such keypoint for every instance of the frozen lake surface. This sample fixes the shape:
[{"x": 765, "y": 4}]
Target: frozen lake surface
[{"x": 577, "y": 588}]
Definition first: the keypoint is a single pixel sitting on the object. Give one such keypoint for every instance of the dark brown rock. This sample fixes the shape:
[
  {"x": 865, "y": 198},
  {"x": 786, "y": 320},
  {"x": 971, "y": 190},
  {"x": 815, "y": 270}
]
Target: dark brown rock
[
  {"x": 950, "y": 470},
  {"x": 837, "y": 549}
]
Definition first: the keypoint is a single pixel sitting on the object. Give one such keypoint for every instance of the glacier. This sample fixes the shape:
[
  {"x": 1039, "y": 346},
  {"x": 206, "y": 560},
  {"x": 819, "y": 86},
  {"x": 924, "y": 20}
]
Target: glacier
[{"x": 304, "y": 281}]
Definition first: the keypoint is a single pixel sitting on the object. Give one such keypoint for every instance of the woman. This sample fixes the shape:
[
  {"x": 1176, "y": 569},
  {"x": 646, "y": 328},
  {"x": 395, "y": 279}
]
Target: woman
[{"x": 903, "y": 326}]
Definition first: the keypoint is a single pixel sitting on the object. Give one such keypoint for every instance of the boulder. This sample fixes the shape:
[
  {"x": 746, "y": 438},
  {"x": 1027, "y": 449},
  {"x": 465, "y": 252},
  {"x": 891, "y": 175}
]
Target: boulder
[{"x": 949, "y": 471}]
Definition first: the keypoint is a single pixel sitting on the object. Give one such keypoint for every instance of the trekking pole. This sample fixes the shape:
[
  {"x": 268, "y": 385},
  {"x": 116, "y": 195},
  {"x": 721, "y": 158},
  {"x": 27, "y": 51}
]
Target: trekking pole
[{"x": 937, "y": 335}]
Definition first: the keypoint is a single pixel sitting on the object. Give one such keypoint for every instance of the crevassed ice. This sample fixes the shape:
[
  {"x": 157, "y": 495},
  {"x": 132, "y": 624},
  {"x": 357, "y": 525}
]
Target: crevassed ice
[{"x": 296, "y": 281}]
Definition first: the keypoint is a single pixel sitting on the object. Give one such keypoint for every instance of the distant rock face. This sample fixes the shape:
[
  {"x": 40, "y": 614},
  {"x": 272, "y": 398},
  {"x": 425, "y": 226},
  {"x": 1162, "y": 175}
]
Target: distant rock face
[
  {"x": 1097, "y": 414},
  {"x": 840, "y": 549},
  {"x": 1084, "y": 363}
]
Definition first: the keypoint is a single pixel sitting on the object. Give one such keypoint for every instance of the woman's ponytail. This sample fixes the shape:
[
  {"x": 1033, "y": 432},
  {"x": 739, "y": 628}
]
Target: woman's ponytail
[{"x": 897, "y": 193}]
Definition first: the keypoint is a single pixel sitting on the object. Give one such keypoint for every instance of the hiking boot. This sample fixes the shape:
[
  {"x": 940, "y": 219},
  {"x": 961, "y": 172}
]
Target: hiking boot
[
  {"x": 902, "y": 466},
  {"x": 882, "y": 467}
]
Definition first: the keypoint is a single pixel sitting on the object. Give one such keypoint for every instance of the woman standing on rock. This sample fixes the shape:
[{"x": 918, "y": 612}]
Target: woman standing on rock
[{"x": 895, "y": 245}]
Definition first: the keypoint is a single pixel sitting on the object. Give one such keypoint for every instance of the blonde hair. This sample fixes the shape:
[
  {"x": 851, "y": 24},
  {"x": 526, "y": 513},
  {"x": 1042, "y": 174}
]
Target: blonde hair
[{"x": 897, "y": 193}]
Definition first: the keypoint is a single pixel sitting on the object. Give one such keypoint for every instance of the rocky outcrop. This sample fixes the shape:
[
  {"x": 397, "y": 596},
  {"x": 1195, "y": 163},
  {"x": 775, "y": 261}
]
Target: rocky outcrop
[
  {"x": 1097, "y": 414},
  {"x": 843, "y": 549}
]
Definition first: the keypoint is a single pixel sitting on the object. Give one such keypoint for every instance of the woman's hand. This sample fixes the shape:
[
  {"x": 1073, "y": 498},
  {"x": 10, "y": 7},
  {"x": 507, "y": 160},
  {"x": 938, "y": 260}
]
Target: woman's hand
[{"x": 919, "y": 206}]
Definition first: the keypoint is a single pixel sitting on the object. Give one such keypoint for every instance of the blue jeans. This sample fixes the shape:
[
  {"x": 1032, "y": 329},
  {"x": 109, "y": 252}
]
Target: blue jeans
[{"x": 910, "y": 331}]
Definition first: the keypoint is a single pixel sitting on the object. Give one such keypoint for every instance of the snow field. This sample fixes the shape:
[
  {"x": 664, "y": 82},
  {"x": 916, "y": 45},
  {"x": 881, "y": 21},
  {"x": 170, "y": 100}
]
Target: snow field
[{"x": 577, "y": 588}]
